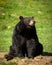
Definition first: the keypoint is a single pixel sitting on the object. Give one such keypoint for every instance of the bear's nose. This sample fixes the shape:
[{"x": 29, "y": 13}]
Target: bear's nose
[{"x": 31, "y": 22}]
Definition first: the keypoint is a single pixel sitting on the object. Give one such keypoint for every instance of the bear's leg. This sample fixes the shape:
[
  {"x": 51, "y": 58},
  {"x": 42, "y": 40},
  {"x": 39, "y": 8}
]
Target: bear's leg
[
  {"x": 24, "y": 50},
  {"x": 39, "y": 49},
  {"x": 20, "y": 53},
  {"x": 11, "y": 54},
  {"x": 31, "y": 48},
  {"x": 20, "y": 47}
]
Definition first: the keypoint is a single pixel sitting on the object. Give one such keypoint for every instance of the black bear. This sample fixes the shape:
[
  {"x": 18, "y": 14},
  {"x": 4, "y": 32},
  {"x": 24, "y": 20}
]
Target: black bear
[{"x": 25, "y": 40}]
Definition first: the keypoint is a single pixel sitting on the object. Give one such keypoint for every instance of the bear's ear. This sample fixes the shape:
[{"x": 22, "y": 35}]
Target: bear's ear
[
  {"x": 32, "y": 17},
  {"x": 21, "y": 18}
]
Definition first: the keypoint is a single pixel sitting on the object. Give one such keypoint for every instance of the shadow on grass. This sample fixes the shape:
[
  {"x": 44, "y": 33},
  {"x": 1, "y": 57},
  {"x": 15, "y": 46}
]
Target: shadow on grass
[{"x": 47, "y": 54}]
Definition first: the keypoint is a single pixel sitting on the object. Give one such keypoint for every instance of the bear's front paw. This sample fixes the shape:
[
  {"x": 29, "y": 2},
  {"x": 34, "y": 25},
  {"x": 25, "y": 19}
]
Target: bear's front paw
[
  {"x": 8, "y": 57},
  {"x": 31, "y": 57}
]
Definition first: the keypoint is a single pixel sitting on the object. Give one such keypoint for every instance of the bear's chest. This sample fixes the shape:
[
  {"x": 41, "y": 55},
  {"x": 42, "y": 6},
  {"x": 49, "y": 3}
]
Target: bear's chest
[{"x": 27, "y": 33}]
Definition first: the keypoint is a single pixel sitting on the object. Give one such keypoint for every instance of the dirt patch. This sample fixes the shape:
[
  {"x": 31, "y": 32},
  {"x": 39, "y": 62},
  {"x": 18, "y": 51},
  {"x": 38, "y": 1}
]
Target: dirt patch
[{"x": 39, "y": 60}]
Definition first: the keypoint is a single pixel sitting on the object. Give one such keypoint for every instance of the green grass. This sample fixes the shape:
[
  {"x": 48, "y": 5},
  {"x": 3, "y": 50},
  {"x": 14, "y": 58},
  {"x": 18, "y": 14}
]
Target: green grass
[
  {"x": 3, "y": 62},
  {"x": 11, "y": 10}
]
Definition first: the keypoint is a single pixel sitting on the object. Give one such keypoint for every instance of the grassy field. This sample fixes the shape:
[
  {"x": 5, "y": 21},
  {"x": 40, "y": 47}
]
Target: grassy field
[{"x": 10, "y": 10}]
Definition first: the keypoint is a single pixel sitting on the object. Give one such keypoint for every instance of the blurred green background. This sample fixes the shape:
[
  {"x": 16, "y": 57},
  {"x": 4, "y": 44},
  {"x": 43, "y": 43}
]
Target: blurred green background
[{"x": 10, "y": 10}]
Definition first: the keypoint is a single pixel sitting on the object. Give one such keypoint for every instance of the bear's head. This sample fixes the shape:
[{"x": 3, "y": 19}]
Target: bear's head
[{"x": 28, "y": 21}]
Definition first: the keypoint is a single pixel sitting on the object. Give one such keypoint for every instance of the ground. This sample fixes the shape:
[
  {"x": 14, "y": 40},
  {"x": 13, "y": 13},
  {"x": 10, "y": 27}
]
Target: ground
[{"x": 39, "y": 60}]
